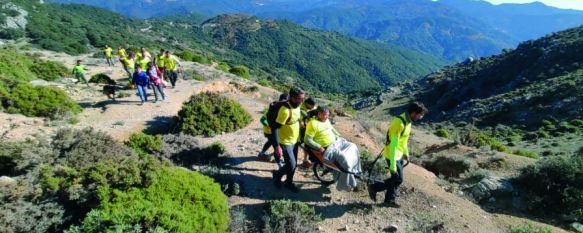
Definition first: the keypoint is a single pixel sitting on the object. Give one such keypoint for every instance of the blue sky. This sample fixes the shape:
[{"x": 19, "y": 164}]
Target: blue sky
[{"x": 567, "y": 4}]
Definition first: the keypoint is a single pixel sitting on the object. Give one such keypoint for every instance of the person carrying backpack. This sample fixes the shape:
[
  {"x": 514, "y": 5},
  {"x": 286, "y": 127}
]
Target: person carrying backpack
[
  {"x": 156, "y": 80},
  {"x": 267, "y": 133},
  {"x": 171, "y": 64},
  {"x": 396, "y": 151},
  {"x": 284, "y": 119}
]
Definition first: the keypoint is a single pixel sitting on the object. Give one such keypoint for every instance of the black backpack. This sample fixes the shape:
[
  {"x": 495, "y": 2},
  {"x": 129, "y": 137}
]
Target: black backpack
[{"x": 274, "y": 110}]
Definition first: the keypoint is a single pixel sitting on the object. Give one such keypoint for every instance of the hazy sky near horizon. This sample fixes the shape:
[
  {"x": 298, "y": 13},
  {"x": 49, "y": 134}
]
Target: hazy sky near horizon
[{"x": 566, "y": 4}]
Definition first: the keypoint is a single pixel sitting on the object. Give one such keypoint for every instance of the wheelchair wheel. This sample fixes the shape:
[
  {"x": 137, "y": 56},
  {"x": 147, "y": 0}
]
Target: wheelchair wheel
[{"x": 322, "y": 173}]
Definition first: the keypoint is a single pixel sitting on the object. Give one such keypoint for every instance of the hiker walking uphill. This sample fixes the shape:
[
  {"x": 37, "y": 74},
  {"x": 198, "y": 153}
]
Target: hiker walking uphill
[
  {"x": 129, "y": 63},
  {"x": 156, "y": 80},
  {"x": 140, "y": 80},
  {"x": 159, "y": 62},
  {"x": 79, "y": 72},
  {"x": 108, "y": 52},
  {"x": 283, "y": 118},
  {"x": 267, "y": 133},
  {"x": 171, "y": 64},
  {"x": 396, "y": 151}
]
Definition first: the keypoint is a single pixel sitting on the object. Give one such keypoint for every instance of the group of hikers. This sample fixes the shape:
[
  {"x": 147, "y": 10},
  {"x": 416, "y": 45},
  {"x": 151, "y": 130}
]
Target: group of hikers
[
  {"x": 293, "y": 120},
  {"x": 143, "y": 70}
]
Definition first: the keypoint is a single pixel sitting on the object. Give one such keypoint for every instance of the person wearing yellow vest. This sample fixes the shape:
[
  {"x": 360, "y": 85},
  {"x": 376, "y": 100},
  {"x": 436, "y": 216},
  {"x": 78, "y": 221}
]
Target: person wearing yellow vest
[
  {"x": 171, "y": 65},
  {"x": 159, "y": 62},
  {"x": 121, "y": 52},
  {"x": 395, "y": 151},
  {"x": 319, "y": 132},
  {"x": 79, "y": 72},
  {"x": 129, "y": 63},
  {"x": 308, "y": 111},
  {"x": 286, "y": 133},
  {"x": 108, "y": 52},
  {"x": 143, "y": 60},
  {"x": 267, "y": 133}
]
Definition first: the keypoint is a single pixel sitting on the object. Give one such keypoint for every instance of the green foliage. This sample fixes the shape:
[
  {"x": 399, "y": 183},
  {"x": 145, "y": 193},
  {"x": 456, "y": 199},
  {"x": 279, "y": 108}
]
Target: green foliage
[
  {"x": 528, "y": 228},
  {"x": 40, "y": 101},
  {"x": 186, "y": 55},
  {"x": 224, "y": 67},
  {"x": 48, "y": 70},
  {"x": 240, "y": 71},
  {"x": 528, "y": 154},
  {"x": 442, "y": 133},
  {"x": 197, "y": 76},
  {"x": 210, "y": 114},
  {"x": 176, "y": 200},
  {"x": 577, "y": 123},
  {"x": 290, "y": 216},
  {"x": 201, "y": 59},
  {"x": 145, "y": 144},
  {"x": 555, "y": 184},
  {"x": 475, "y": 138},
  {"x": 448, "y": 165},
  {"x": 101, "y": 78}
]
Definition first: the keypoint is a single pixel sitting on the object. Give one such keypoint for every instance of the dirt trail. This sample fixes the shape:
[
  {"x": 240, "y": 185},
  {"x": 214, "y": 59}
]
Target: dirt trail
[{"x": 423, "y": 200}]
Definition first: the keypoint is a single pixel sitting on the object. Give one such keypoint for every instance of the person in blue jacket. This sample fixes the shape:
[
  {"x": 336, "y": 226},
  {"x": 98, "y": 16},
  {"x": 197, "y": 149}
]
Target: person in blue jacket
[{"x": 140, "y": 81}]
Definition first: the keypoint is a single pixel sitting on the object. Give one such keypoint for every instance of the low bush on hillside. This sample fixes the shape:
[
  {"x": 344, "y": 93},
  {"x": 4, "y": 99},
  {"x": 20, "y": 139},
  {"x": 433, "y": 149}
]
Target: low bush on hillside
[
  {"x": 478, "y": 139},
  {"x": 526, "y": 153},
  {"x": 101, "y": 78},
  {"x": 442, "y": 133},
  {"x": 85, "y": 177},
  {"x": 39, "y": 101},
  {"x": 210, "y": 114},
  {"x": 224, "y": 67},
  {"x": 145, "y": 144},
  {"x": 528, "y": 228},
  {"x": 554, "y": 184},
  {"x": 176, "y": 200},
  {"x": 49, "y": 70},
  {"x": 240, "y": 71},
  {"x": 290, "y": 216},
  {"x": 448, "y": 165}
]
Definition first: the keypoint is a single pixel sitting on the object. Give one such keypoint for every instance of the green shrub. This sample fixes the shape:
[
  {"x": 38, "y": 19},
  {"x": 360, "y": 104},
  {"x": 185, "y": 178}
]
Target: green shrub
[
  {"x": 25, "y": 216},
  {"x": 49, "y": 70},
  {"x": 568, "y": 128},
  {"x": 290, "y": 216},
  {"x": 240, "y": 71},
  {"x": 577, "y": 123},
  {"x": 40, "y": 101},
  {"x": 477, "y": 175},
  {"x": 201, "y": 59},
  {"x": 448, "y": 165},
  {"x": 543, "y": 134},
  {"x": 101, "y": 78},
  {"x": 210, "y": 114},
  {"x": 555, "y": 184},
  {"x": 176, "y": 200},
  {"x": 528, "y": 154},
  {"x": 528, "y": 228},
  {"x": 478, "y": 139},
  {"x": 145, "y": 144},
  {"x": 186, "y": 55},
  {"x": 224, "y": 67},
  {"x": 196, "y": 76},
  {"x": 442, "y": 133}
]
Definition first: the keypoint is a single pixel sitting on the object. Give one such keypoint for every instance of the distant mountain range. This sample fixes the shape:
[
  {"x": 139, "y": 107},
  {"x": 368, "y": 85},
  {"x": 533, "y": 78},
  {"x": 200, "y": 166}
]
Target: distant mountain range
[
  {"x": 280, "y": 52},
  {"x": 539, "y": 80},
  {"x": 452, "y": 29}
]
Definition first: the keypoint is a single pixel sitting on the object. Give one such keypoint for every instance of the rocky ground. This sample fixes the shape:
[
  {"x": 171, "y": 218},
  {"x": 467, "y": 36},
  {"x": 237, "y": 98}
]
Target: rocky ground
[{"x": 426, "y": 206}]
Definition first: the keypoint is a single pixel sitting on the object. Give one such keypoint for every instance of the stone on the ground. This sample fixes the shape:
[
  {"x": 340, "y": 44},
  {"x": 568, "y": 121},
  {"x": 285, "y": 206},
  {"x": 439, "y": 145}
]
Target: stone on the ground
[
  {"x": 578, "y": 227},
  {"x": 492, "y": 187},
  {"x": 7, "y": 181}
]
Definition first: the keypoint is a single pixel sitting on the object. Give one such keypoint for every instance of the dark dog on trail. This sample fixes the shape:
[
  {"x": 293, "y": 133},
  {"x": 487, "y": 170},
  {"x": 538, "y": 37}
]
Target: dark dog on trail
[{"x": 110, "y": 88}]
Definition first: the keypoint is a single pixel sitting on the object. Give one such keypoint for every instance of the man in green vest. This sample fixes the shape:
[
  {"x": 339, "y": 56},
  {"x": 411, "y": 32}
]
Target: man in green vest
[
  {"x": 396, "y": 151},
  {"x": 79, "y": 72},
  {"x": 108, "y": 52}
]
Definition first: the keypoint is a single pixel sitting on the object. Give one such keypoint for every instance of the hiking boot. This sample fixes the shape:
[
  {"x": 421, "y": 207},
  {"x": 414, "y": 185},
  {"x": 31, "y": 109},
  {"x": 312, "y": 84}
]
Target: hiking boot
[
  {"x": 371, "y": 193},
  {"x": 392, "y": 204},
  {"x": 276, "y": 180},
  {"x": 280, "y": 164},
  {"x": 292, "y": 188}
]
